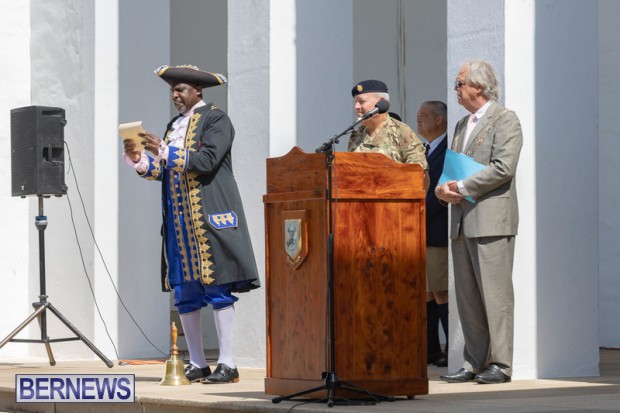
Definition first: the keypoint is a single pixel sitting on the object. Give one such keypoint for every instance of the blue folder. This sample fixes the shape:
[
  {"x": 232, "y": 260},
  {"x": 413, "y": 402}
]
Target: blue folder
[{"x": 457, "y": 167}]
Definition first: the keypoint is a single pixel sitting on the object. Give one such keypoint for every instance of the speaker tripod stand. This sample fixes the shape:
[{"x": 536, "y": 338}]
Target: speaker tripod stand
[{"x": 43, "y": 305}]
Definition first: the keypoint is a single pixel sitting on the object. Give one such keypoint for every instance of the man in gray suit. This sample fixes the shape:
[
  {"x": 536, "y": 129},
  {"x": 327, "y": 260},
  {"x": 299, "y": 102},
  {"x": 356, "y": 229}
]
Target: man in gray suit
[{"x": 483, "y": 232}]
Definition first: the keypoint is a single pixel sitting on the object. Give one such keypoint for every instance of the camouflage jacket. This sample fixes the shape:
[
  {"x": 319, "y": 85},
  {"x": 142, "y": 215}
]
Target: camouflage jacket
[{"x": 394, "y": 139}]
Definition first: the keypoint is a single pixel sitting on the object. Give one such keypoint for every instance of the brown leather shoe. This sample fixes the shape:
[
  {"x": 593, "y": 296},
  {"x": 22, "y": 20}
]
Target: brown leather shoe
[
  {"x": 222, "y": 374},
  {"x": 492, "y": 375},
  {"x": 460, "y": 376}
]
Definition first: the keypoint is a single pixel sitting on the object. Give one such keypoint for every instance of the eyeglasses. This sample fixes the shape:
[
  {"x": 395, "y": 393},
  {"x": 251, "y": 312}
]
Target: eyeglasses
[{"x": 459, "y": 84}]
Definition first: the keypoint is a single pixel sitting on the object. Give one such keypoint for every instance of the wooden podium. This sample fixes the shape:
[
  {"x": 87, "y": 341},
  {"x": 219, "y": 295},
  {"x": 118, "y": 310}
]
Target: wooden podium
[{"x": 378, "y": 213}]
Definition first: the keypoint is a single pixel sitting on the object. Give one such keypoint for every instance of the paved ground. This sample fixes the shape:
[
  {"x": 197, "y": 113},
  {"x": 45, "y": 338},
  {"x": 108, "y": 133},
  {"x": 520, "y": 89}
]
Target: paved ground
[{"x": 595, "y": 394}]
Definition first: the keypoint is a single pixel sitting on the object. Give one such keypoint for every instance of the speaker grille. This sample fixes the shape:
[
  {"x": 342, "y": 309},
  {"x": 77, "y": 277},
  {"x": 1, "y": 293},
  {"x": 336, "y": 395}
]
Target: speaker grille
[{"x": 37, "y": 151}]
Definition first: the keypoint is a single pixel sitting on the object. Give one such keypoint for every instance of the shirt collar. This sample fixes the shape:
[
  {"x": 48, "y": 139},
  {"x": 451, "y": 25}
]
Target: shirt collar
[
  {"x": 480, "y": 112},
  {"x": 191, "y": 111},
  {"x": 434, "y": 144}
]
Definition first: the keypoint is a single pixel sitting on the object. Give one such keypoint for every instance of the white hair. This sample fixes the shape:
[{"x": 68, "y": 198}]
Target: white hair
[
  {"x": 482, "y": 74},
  {"x": 381, "y": 95}
]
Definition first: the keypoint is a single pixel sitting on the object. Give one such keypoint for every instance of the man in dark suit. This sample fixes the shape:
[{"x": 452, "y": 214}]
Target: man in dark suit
[
  {"x": 483, "y": 233},
  {"x": 432, "y": 122}
]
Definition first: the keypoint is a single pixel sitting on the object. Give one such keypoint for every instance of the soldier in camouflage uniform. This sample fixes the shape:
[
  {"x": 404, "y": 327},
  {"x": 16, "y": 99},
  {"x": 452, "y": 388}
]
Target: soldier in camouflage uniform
[{"x": 381, "y": 133}]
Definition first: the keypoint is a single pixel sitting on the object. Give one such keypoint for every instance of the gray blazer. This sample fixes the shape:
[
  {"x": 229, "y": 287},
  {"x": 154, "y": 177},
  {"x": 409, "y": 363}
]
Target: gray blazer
[{"x": 496, "y": 142}]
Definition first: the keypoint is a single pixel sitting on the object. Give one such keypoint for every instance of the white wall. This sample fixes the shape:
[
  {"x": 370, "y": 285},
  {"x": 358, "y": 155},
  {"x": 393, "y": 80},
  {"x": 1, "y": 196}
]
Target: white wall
[
  {"x": 425, "y": 56},
  {"x": 376, "y": 48},
  {"x": 609, "y": 146},
  {"x": 17, "y": 219},
  {"x": 63, "y": 76},
  {"x": 324, "y": 106}
]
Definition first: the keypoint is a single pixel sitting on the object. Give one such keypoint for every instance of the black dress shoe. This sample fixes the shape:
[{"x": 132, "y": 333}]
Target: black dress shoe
[
  {"x": 442, "y": 360},
  {"x": 194, "y": 373},
  {"x": 492, "y": 375},
  {"x": 223, "y": 374},
  {"x": 432, "y": 358},
  {"x": 460, "y": 376}
]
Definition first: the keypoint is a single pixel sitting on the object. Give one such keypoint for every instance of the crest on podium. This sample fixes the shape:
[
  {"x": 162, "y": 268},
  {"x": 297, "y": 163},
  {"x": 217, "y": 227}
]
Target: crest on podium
[{"x": 295, "y": 237}]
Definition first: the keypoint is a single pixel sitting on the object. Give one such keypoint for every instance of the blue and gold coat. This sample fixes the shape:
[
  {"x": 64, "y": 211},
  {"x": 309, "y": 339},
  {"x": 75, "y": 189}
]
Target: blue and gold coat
[{"x": 205, "y": 233}]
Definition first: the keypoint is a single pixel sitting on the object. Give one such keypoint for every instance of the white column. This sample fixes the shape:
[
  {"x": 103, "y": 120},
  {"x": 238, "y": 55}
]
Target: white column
[
  {"x": 566, "y": 203},
  {"x": 282, "y": 77},
  {"x": 106, "y": 166},
  {"x": 138, "y": 94},
  {"x": 520, "y": 96},
  {"x": 248, "y": 96}
]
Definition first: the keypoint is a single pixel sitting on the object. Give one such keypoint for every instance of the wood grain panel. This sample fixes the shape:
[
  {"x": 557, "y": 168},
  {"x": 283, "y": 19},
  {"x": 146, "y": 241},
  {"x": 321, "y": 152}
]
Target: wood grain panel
[
  {"x": 374, "y": 175},
  {"x": 379, "y": 321},
  {"x": 296, "y": 171},
  {"x": 296, "y": 298}
]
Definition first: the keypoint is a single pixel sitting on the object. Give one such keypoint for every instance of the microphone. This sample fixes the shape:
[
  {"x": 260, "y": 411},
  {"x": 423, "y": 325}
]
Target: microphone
[{"x": 382, "y": 106}]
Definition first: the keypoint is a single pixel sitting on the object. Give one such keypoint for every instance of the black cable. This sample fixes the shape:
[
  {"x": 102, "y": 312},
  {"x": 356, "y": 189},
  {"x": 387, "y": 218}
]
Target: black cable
[
  {"x": 103, "y": 260},
  {"x": 90, "y": 285}
]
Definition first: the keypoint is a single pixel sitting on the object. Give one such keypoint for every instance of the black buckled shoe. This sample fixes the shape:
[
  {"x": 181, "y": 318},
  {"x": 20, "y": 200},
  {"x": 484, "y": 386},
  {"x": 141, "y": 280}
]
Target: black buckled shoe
[
  {"x": 222, "y": 374},
  {"x": 492, "y": 375},
  {"x": 194, "y": 373},
  {"x": 460, "y": 376}
]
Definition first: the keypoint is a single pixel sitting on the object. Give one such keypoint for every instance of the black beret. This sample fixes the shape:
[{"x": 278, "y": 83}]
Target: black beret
[
  {"x": 369, "y": 86},
  {"x": 189, "y": 74}
]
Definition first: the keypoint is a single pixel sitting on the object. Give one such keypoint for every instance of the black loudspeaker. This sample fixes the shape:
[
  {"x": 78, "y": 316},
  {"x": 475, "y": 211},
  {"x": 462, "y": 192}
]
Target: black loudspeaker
[{"x": 37, "y": 151}]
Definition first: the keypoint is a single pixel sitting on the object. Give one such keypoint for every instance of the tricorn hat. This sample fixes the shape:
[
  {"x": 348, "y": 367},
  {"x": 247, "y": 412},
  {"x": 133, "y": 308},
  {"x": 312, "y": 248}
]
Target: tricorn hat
[
  {"x": 369, "y": 86},
  {"x": 189, "y": 74}
]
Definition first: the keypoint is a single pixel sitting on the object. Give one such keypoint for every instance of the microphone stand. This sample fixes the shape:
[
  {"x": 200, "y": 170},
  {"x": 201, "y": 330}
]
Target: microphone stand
[
  {"x": 328, "y": 145},
  {"x": 330, "y": 378}
]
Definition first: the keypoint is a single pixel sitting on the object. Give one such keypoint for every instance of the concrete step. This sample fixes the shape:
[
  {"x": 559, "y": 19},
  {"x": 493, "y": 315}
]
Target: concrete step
[{"x": 593, "y": 394}]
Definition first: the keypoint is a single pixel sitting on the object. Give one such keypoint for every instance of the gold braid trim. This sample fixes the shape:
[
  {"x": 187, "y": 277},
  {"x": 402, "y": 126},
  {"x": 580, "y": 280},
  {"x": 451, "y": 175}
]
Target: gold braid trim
[
  {"x": 153, "y": 171},
  {"x": 176, "y": 212},
  {"x": 198, "y": 224},
  {"x": 455, "y": 143}
]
